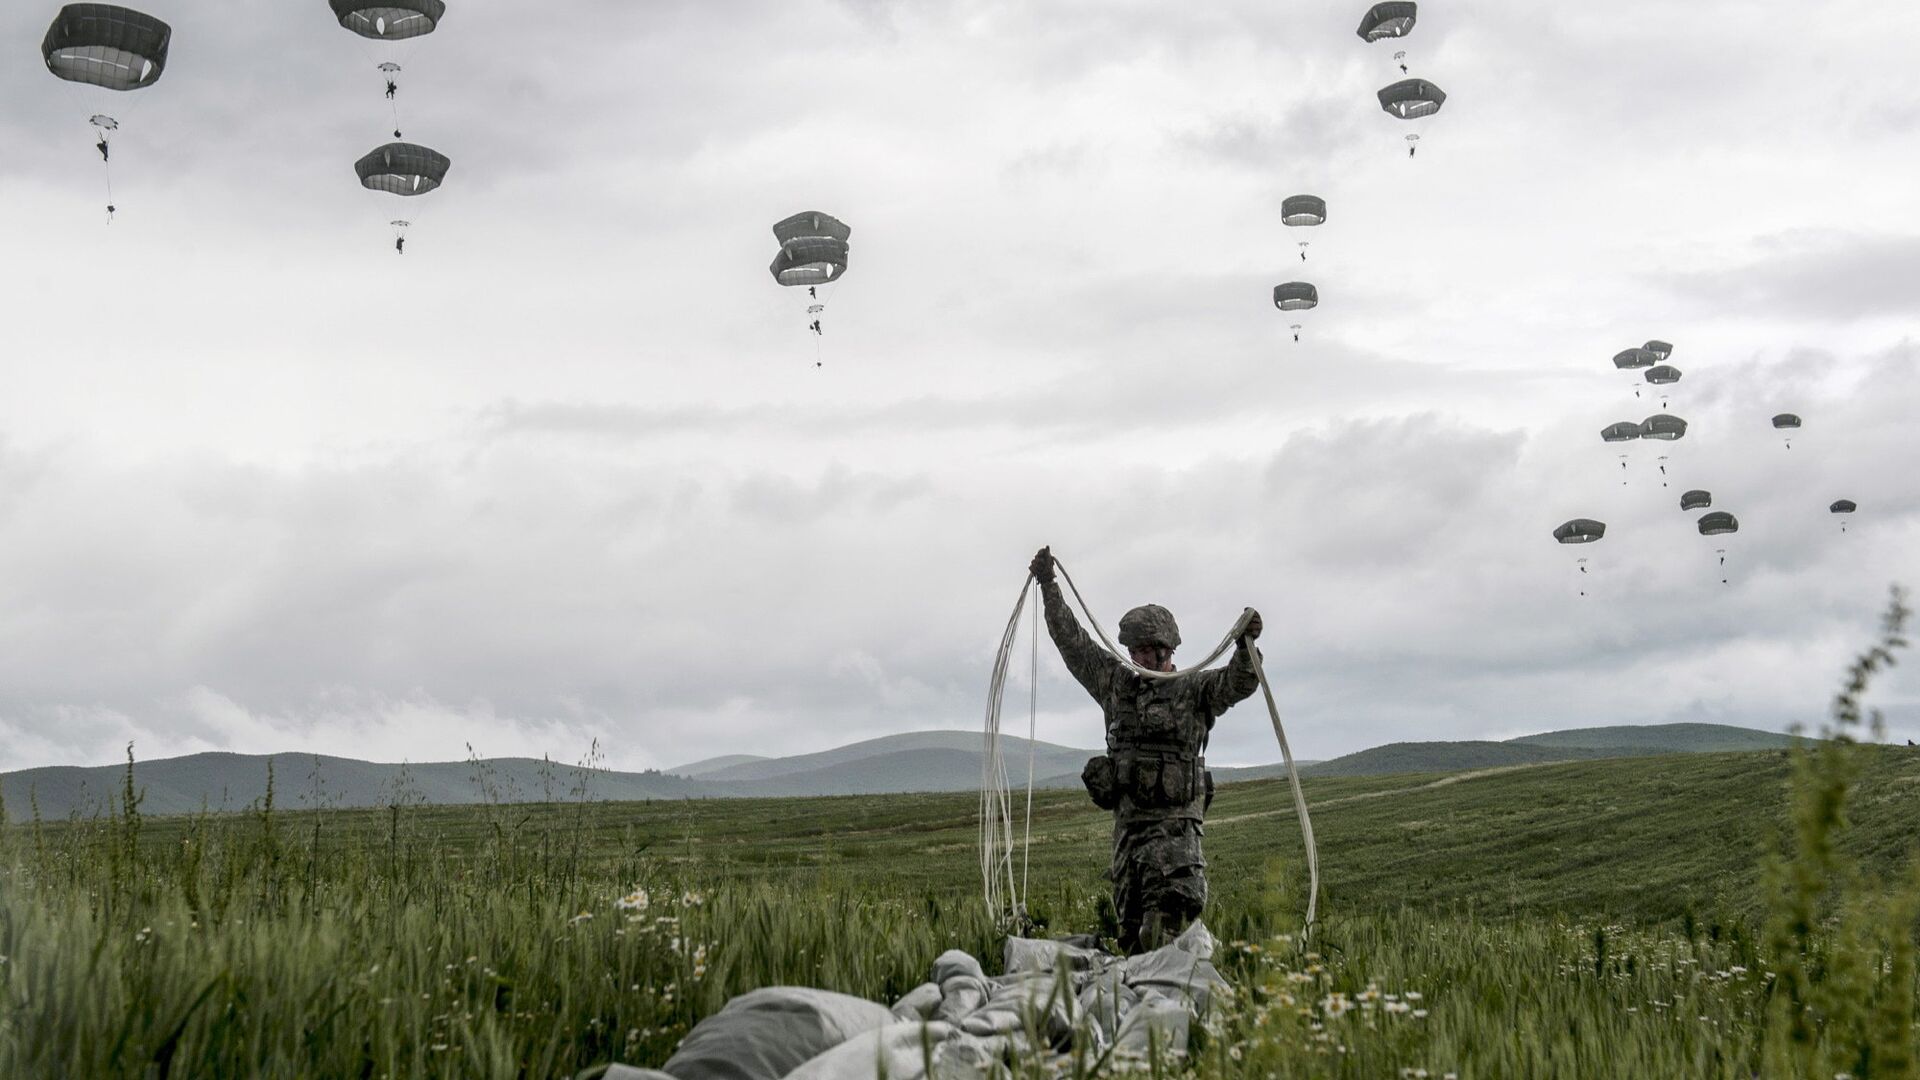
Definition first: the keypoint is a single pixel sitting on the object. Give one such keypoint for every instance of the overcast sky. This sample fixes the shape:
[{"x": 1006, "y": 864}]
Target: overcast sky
[{"x": 566, "y": 469}]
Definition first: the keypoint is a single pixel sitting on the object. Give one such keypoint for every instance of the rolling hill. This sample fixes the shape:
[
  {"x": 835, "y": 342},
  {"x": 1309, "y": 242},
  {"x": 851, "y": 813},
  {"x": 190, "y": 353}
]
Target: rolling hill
[{"x": 926, "y": 761}]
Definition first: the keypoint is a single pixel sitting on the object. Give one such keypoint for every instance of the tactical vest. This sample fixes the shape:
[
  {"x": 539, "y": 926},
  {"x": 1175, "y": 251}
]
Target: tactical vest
[{"x": 1156, "y": 737}]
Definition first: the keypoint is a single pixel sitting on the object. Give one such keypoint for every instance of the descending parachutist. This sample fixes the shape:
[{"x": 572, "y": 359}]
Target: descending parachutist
[
  {"x": 811, "y": 294},
  {"x": 102, "y": 147},
  {"x": 392, "y": 89},
  {"x": 400, "y": 244},
  {"x": 815, "y": 326}
]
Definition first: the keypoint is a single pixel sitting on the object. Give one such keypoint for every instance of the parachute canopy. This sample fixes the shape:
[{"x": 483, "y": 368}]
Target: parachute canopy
[
  {"x": 389, "y": 20},
  {"x": 104, "y": 45},
  {"x": 1580, "y": 531},
  {"x": 813, "y": 249},
  {"x": 1842, "y": 506},
  {"x": 1662, "y": 374},
  {"x": 402, "y": 169},
  {"x": 1662, "y": 426},
  {"x": 1410, "y": 99},
  {"x": 1697, "y": 499},
  {"x": 1620, "y": 432},
  {"x": 1295, "y": 296},
  {"x": 1718, "y": 522},
  {"x": 1659, "y": 348},
  {"x": 1786, "y": 420},
  {"x": 1303, "y": 210},
  {"x": 1390, "y": 20},
  {"x": 1627, "y": 359}
]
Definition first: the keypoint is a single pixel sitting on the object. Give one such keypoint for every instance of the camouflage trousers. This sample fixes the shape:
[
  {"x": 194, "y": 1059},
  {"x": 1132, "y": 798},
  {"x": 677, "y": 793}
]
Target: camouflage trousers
[{"x": 1159, "y": 880}]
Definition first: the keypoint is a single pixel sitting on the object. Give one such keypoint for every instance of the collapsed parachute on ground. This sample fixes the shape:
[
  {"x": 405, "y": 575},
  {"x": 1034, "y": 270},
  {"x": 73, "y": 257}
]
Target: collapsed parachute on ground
[
  {"x": 1663, "y": 427},
  {"x": 1620, "y": 431},
  {"x": 402, "y": 169},
  {"x": 1388, "y": 20},
  {"x": 1659, "y": 348},
  {"x": 389, "y": 20},
  {"x": 813, "y": 249},
  {"x": 1410, "y": 99},
  {"x": 1697, "y": 499},
  {"x": 1580, "y": 531},
  {"x": 1718, "y": 523},
  {"x": 1662, "y": 374},
  {"x": 1303, "y": 210},
  {"x": 1295, "y": 296},
  {"x": 103, "y": 45}
]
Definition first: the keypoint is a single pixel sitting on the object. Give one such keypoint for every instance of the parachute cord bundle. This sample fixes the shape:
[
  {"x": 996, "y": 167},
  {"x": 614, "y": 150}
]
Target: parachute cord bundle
[{"x": 996, "y": 801}]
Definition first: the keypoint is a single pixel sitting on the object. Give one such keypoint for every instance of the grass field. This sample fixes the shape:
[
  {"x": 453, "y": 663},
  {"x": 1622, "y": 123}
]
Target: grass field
[{"x": 1596, "y": 919}]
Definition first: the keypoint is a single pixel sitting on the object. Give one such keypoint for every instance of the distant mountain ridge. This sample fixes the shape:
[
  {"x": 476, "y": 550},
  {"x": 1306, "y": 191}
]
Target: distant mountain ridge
[{"x": 914, "y": 761}]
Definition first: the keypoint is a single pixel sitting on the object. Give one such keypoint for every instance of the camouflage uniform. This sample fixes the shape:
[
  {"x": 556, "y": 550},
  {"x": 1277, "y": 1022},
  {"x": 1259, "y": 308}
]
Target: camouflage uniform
[{"x": 1156, "y": 733}]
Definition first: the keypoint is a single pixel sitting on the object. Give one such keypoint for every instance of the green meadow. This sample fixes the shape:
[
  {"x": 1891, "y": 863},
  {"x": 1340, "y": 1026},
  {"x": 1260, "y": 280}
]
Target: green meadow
[{"x": 1721, "y": 915}]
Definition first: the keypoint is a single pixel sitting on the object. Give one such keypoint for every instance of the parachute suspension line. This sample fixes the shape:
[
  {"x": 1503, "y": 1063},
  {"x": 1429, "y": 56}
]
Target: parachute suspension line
[
  {"x": 1233, "y": 637},
  {"x": 1000, "y": 889},
  {"x": 1033, "y": 719}
]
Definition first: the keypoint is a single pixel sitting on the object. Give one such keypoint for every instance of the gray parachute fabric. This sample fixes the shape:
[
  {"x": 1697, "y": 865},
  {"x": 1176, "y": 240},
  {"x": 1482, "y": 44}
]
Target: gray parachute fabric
[
  {"x": 1659, "y": 348},
  {"x": 1697, "y": 499},
  {"x": 1842, "y": 506},
  {"x": 1303, "y": 210},
  {"x": 1389, "y": 20},
  {"x": 389, "y": 20},
  {"x": 813, "y": 249},
  {"x": 1629, "y": 359},
  {"x": 103, "y": 45},
  {"x": 1663, "y": 427},
  {"x": 1785, "y": 421},
  {"x": 1055, "y": 996},
  {"x": 1410, "y": 99},
  {"x": 811, "y": 225},
  {"x": 1580, "y": 531},
  {"x": 402, "y": 169},
  {"x": 1295, "y": 296},
  {"x": 1620, "y": 431},
  {"x": 1663, "y": 374},
  {"x": 1718, "y": 523},
  {"x": 766, "y": 1034}
]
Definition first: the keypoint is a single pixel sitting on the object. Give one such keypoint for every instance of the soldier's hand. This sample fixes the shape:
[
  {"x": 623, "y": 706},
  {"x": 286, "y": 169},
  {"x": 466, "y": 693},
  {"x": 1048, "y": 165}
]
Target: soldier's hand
[
  {"x": 1254, "y": 626},
  {"x": 1042, "y": 566}
]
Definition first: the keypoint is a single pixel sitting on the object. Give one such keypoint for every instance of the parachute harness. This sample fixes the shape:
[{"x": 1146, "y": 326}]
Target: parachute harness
[{"x": 1006, "y": 899}]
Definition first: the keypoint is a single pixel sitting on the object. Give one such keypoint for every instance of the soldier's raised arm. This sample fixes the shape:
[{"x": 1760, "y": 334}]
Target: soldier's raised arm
[
  {"x": 1222, "y": 689},
  {"x": 1092, "y": 665}
]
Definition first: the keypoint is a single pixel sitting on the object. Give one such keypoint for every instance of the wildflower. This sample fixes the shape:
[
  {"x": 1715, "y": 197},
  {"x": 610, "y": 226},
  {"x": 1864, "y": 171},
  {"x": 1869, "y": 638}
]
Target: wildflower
[
  {"x": 578, "y": 919},
  {"x": 1419, "y": 1014},
  {"x": 1413, "y": 1074},
  {"x": 1412, "y": 995},
  {"x": 1335, "y": 1005},
  {"x": 636, "y": 900},
  {"x": 1397, "y": 1007},
  {"x": 691, "y": 899}
]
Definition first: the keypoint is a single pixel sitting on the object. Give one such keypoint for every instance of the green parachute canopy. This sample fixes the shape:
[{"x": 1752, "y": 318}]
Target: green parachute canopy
[
  {"x": 1663, "y": 427},
  {"x": 1697, "y": 499},
  {"x": 1628, "y": 359},
  {"x": 1580, "y": 531},
  {"x": 1662, "y": 374},
  {"x": 1410, "y": 99},
  {"x": 402, "y": 169},
  {"x": 103, "y": 45},
  {"x": 1303, "y": 210},
  {"x": 389, "y": 20},
  {"x": 813, "y": 249},
  {"x": 1390, "y": 20},
  {"x": 1842, "y": 506},
  {"x": 1786, "y": 420},
  {"x": 1718, "y": 522},
  {"x": 1620, "y": 431},
  {"x": 1295, "y": 296},
  {"x": 1659, "y": 348}
]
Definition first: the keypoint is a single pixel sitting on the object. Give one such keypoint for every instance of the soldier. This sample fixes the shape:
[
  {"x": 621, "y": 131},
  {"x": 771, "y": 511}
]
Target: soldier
[{"x": 1153, "y": 776}]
